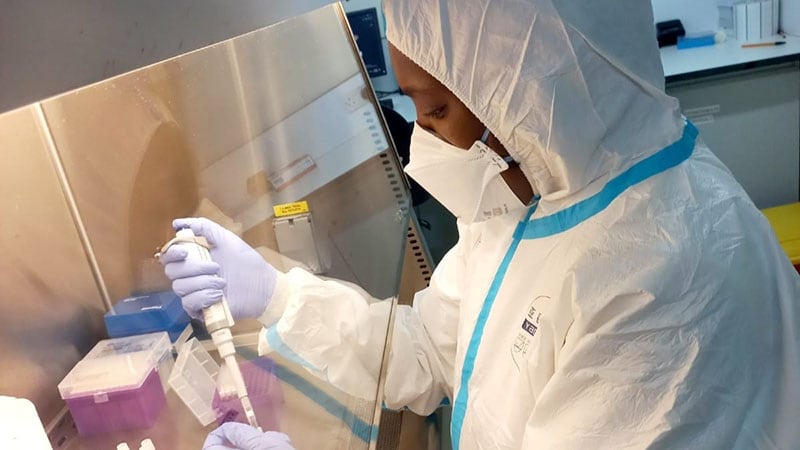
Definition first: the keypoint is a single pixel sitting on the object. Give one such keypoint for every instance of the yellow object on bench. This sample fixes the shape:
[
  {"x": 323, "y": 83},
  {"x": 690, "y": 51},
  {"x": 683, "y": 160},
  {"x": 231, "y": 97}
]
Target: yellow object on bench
[{"x": 785, "y": 221}]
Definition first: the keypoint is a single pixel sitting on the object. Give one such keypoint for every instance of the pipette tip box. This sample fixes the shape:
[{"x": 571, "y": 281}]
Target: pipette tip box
[
  {"x": 194, "y": 379},
  {"x": 119, "y": 384},
  {"x": 149, "y": 313}
]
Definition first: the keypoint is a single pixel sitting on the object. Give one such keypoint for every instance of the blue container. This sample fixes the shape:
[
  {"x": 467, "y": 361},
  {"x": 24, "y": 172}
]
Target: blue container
[
  {"x": 150, "y": 313},
  {"x": 696, "y": 40}
]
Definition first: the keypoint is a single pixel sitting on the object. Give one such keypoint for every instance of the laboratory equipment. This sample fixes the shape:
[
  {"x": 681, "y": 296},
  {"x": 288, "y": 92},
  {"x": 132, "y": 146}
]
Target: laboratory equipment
[
  {"x": 264, "y": 392},
  {"x": 194, "y": 379},
  {"x": 695, "y": 40},
  {"x": 669, "y": 31},
  {"x": 218, "y": 320},
  {"x": 149, "y": 313},
  {"x": 368, "y": 25},
  {"x": 296, "y": 236},
  {"x": 756, "y": 20},
  {"x": 366, "y": 30},
  {"x": 118, "y": 384}
]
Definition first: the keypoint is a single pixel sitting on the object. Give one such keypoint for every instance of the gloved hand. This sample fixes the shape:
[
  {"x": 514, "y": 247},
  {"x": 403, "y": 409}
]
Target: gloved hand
[
  {"x": 237, "y": 270},
  {"x": 234, "y": 435}
]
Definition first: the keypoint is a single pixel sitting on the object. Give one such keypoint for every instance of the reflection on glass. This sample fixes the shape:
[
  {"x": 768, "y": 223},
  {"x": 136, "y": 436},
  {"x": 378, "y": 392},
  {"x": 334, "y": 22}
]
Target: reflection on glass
[{"x": 50, "y": 307}]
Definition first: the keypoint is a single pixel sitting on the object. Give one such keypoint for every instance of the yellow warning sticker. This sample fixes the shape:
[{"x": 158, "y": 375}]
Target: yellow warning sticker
[{"x": 290, "y": 209}]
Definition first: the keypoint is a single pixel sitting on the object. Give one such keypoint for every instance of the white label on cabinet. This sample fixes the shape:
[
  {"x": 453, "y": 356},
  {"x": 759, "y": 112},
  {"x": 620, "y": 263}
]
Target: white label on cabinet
[
  {"x": 703, "y": 120},
  {"x": 702, "y": 115}
]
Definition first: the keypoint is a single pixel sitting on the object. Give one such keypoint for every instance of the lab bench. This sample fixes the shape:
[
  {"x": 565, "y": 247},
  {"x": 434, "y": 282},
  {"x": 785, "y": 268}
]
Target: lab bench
[{"x": 746, "y": 103}]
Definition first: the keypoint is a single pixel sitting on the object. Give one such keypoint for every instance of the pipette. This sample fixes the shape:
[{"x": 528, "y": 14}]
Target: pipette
[{"x": 218, "y": 319}]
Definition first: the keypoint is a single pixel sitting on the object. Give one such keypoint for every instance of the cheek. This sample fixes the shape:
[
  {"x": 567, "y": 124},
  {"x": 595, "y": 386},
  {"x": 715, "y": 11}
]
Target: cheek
[{"x": 462, "y": 128}]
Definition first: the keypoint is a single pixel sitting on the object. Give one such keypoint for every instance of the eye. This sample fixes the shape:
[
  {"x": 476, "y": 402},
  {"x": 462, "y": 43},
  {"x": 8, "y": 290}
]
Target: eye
[{"x": 437, "y": 113}]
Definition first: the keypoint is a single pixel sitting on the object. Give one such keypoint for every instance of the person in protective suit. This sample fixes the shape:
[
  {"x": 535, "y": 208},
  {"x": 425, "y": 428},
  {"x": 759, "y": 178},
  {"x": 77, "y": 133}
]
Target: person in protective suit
[{"x": 612, "y": 287}]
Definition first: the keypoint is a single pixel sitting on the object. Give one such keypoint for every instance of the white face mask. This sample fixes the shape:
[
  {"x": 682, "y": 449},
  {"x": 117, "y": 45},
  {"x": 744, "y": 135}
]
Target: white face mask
[{"x": 466, "y": 182}]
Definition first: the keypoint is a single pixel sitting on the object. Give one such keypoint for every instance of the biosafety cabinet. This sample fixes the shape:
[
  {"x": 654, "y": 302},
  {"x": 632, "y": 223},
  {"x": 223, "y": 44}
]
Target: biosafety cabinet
[{"x": 242, "y": 132}]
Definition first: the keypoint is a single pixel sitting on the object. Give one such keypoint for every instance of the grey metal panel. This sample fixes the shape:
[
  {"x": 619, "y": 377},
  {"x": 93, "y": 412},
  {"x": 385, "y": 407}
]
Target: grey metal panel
[
  {"x": 50, "y": 46},
  {"x": 417, "y": 264},
  {"x": 750, "y": 121},
  {"x": 50, "y": 307}
]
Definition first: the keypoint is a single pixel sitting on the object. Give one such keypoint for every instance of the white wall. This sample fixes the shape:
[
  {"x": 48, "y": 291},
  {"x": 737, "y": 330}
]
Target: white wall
[
  {"x": 696, "y": 15},
  {"x": 51, "y": 46}
]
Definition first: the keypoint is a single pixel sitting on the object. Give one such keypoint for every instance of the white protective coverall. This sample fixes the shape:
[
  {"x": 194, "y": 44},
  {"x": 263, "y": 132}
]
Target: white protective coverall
[{"x": 642, "y": 303}]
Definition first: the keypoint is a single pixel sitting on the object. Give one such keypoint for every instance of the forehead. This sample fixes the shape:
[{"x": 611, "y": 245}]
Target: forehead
[{"x": 412, "y": 78}]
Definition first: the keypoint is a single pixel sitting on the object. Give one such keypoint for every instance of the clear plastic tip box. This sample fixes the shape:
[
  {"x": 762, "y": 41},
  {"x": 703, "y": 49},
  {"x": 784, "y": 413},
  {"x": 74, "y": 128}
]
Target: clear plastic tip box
[{"x": 118, "y": 385}]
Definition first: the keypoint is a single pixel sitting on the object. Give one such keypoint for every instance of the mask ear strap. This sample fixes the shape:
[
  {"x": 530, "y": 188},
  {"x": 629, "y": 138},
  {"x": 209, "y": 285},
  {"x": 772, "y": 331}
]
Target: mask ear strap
[{"x": 485, "y": 136}]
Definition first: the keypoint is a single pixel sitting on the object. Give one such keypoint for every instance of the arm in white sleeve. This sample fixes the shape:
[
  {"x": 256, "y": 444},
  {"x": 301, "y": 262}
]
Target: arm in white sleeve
[
  {"x": 423, "y": 350},
  {"x": 337, "y": 332}
]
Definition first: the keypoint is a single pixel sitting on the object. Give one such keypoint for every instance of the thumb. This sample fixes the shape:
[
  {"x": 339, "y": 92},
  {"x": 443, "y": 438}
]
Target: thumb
[{"x": 200, "y": 226}]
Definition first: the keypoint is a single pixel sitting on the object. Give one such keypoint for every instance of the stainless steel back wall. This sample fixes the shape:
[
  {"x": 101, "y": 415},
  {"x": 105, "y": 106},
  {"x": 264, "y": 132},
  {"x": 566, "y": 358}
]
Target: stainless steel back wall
[{"x": 50, "y": 306}]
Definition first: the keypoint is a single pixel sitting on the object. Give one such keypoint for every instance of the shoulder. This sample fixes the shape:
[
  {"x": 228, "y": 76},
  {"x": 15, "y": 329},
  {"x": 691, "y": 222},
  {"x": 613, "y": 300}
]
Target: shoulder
[{"x": 669, "y": 251}]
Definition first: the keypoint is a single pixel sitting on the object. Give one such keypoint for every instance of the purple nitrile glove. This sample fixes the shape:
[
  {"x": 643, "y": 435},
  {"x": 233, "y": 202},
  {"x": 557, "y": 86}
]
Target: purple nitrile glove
[
  {"x": 234, "y": 435},
  {"x": 237, "y": 270}
]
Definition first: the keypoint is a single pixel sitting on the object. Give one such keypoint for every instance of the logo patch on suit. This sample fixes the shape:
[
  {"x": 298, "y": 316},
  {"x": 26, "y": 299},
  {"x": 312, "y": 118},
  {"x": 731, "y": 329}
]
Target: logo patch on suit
[{"x": 530, "y": 325}]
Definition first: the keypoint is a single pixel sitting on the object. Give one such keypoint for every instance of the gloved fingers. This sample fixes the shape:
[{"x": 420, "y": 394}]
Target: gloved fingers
[
  {"x": 213, "y": 446},
  {"x": 173, "y": 254},
  {"x": 196, "y": 302},
  {"x": 184, "y": 269},
  {"x": 277, "y": 441},
  {"x": 186, "y": 286},
  {"x": 233, "y": 434},
  {"x": 215, "y": 440},
  {"x": 200, "y": 226}
]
